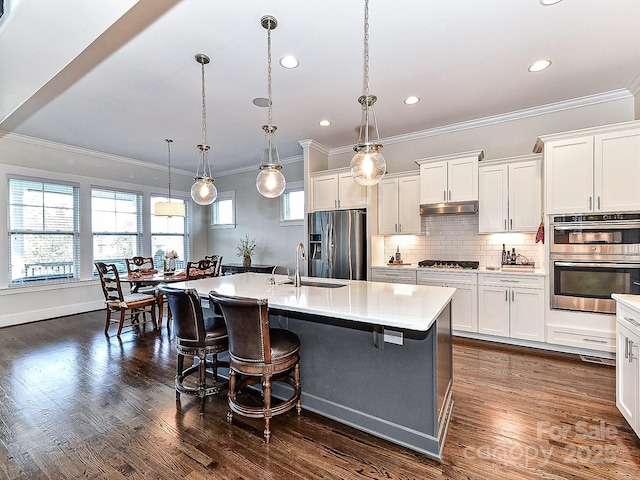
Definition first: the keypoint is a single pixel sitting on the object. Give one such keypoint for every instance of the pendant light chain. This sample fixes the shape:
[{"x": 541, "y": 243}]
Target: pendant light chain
[
  {"x": 269, "y": 69},
  {"x": 168, "y": 140},
  {"x": 365, "y": 88},
  {"x": 206, "y": 168}
]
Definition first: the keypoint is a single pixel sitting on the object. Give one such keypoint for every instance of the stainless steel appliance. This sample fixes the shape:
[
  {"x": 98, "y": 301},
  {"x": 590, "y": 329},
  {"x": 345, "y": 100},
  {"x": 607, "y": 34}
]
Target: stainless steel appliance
[
  {"x": 593, "y": 256},
  {"x": 449, "y": 264},
  {"x": 337, "y": 244}
]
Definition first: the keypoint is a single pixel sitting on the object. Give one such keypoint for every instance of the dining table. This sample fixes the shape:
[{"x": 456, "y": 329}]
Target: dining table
[{"x": 153, "y": 278}]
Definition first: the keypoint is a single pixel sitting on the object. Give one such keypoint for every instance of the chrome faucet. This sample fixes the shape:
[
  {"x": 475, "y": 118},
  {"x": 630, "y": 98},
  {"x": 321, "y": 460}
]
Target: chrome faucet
[{"x": 297, "y": 282}]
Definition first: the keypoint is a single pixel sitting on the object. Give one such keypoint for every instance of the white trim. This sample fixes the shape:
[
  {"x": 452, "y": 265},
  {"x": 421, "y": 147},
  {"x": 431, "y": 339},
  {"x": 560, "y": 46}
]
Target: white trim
[
  {"x": 619, "y": 94},
  {"x": 230, "y": 195},
  {"x": 297, "y": 186}
]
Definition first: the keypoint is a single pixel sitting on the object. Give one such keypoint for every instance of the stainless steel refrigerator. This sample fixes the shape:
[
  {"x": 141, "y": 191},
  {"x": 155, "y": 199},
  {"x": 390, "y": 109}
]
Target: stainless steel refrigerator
[{"x": 338, "y": 244}]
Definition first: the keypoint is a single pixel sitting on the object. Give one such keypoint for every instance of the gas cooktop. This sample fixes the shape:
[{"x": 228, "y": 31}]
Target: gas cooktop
[{"x": 449, "y": 264}]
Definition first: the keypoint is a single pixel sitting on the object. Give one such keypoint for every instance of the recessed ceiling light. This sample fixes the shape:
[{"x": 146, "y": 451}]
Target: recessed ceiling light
[
  {"x": 261, "y": 102},
  {"x": 289, "y": 61},
  {"x": 539, "y": 65},
  {"x": 549, "y": 2},
  {"x": 411, "y": 100},
  {"x": 324, "y": 123}
]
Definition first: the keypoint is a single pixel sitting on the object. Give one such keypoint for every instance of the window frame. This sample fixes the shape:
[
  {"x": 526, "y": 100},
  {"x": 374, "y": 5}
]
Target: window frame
[
  {"x": 186, "y": 241},
  {"x": 139, "y": 246},
  {"x": 290, "y": 188},
  {"x": 73, "y": 233},
  {"x": 230, "y": 195}
]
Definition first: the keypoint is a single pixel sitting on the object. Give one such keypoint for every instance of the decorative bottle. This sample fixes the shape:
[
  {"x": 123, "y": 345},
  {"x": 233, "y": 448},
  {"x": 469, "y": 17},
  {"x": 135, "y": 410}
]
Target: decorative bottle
[
  {"x": 504, "y": 256},
  {"x": 513, "y": 255},
  {"x": 398, "y": 256}
]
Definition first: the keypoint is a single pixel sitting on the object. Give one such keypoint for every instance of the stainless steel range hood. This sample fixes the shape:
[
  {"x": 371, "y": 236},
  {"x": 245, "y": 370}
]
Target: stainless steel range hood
[{"x": 450, "y": 208}]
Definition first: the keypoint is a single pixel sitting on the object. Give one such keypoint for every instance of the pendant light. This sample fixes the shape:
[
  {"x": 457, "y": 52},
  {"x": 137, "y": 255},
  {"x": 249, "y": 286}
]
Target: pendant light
[
  {"x": 169, "y": 208},
  {"x": 368, "y": 166},
  {"x": 270, "y": 182},
  {"x": 203, "y": 190}
]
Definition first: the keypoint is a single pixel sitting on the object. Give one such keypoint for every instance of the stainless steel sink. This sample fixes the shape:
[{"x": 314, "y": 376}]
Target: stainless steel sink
[{"x": 316, "y": 283}]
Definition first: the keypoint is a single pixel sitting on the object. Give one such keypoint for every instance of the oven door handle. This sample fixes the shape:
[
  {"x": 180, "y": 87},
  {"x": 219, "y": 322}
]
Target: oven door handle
[
  {"x": 592, "y": 264},
  {"x": 596, "y": 226}
]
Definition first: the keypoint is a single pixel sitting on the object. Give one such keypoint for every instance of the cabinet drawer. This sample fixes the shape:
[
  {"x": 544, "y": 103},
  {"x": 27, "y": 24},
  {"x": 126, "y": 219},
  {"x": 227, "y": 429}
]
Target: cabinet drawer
[
  {"x": 393, "y": 276},
  {"x": 429, "y": 276},
  {"x": 515, "y": 280},
  {"x": 575, "y": 337},
  {"x": 629, "y": 318}
]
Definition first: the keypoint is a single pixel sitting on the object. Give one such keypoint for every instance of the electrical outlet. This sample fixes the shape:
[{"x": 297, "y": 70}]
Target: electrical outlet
[{"x": 392, "y": 336}]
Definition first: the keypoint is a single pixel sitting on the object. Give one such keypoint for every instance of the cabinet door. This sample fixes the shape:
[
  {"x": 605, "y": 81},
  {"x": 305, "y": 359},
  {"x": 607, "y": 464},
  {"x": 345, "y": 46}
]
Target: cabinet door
[
  {"x": 433, "y": 182},
  {"x": 325, "y": 192},
  {"x": 463, "y": 179},
  {"x": 525, "y": 196},
  {"x": 493, "y": 310},
  {"x": 569, "y": 175},
  {"x": 527, "y": 314},
  {"x": 350, "y": 193},
  {"x": 493, "y": 199},
  {"x": 388, "y": 207},
  {"x": 617, "y": 171},
  {"x": 409, "y": 219},
  {"x": 627, "y": 372},
  {"x": 464, "y": 308}
]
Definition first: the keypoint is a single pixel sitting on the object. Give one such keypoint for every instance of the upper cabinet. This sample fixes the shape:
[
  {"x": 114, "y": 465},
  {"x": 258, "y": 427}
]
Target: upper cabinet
[
  {"x": 510, "y": 194},
  {"x": 337, "y": 190},
  {"x": 399, "y": 204},
  {"x": 594, "y": 170},
  {"x": 449, "y": 178}
]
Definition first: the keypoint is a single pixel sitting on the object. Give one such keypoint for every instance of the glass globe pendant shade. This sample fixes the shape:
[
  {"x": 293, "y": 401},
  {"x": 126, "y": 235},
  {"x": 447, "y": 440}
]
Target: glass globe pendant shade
[
  {"x": 271, "y": 182},
  {"x": 368, "y": 166},
  {"x": 203, "y": 191}
]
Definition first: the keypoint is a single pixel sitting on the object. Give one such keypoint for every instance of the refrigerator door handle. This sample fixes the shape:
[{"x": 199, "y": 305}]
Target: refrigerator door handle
[{"x": 349, "y": 248}]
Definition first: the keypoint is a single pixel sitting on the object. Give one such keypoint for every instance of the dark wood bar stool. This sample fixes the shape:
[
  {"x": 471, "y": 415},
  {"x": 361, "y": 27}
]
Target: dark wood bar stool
[
  {"x": 261, "y": 354},
  {"x": 193, "y": 339}
]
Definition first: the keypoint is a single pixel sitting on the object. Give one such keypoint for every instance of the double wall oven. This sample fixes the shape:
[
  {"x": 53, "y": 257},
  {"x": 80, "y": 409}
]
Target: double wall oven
[{"x": 591, "y": 257}]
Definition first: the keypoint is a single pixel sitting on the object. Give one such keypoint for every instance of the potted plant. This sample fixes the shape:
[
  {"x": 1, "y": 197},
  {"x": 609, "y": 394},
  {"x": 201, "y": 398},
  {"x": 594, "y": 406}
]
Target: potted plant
[{"x": 246, "y": 248}]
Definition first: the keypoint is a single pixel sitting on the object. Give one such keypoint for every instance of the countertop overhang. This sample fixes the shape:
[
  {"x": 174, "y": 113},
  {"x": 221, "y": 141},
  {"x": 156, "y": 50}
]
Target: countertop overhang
[{"x": 410, "y": 307}]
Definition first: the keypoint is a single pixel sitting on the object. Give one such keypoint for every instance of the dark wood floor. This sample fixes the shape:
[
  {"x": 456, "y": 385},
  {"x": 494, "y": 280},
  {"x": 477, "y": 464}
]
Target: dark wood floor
[{"x": 75, "y": 404}]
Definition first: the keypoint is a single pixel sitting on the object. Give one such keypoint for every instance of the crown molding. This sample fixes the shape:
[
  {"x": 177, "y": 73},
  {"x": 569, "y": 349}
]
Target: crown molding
[
  {"x": 88, "y": 152},
  {"x": 308, "y": 143},
  {"x": 504, "y": 117},
  {"x": 251, "y": 168},
  {"x": 634, "y": 87}
]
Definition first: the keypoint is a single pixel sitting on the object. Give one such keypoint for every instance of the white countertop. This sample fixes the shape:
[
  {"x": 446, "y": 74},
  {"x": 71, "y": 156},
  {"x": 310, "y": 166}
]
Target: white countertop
[
  {"x": 631, "y": 301},
  {"x": 513, "y": 271},
  {"x": 411, "y": 307}
]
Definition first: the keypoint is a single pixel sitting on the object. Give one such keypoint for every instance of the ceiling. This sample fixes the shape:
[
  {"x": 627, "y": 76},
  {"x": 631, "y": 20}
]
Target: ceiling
[{"x": 120, "y": 76}]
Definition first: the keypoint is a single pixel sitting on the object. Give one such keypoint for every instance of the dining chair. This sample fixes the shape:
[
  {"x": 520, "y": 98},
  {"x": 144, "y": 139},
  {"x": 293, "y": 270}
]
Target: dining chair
[
  {"x": 200, "y": 269},
  {"x": 198, "y": 340},
  {"x": 261, "y": 355},
  {"x": 218, "y": 263},
  {"x": 133, "y": 307}
]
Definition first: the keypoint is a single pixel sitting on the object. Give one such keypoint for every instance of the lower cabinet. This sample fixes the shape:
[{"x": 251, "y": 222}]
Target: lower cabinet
[
  {"x": 464, "y": 305},
  {"x": 628, "y": 366},
  {"x": 511, "y": 306},
  {"x": 393, "y": 275}
]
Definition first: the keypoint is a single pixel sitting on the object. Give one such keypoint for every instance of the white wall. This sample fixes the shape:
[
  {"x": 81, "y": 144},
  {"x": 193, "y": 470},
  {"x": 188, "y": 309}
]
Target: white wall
[{"x": 259, "y": 217}]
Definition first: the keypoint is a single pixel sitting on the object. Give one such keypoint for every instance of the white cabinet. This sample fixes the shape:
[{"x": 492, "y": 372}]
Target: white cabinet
[
  {"x": 628, "y": 366},
  {"x": 593, "y": 170},
  {"x": 510, "y": 195},
  {"x": 337, "y": 190},
  {"x": 399, "y": 204},
  {"x": 449, "y": 178},
  {"x": 511, "y": 306},
  {"x": 464, "y": 304},
  {"x": 393, "y": 275}
]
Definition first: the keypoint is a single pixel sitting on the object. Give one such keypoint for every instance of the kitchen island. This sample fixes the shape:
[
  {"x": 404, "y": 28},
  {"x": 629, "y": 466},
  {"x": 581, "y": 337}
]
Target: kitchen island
[{"x": 376, "y": 356}]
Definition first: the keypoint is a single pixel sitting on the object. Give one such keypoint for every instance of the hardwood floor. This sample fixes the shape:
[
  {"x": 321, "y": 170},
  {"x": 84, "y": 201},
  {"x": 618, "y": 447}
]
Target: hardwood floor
[{"x": 75, "y": 404}]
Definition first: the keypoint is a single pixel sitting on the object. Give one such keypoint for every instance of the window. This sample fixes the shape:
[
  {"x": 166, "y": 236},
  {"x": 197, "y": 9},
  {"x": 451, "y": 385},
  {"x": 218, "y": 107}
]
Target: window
[
  {"x": 224, "y": 210},
  {"x": 292, "y": 204},
  {"x": 44, "y": 233},
  {"x": 169, "y": 233},
  {"x": 117, "y": 226}
]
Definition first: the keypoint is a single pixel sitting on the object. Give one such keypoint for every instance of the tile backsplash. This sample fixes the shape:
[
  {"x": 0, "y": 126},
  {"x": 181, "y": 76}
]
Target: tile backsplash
[{"x": 455, "y": 237}]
